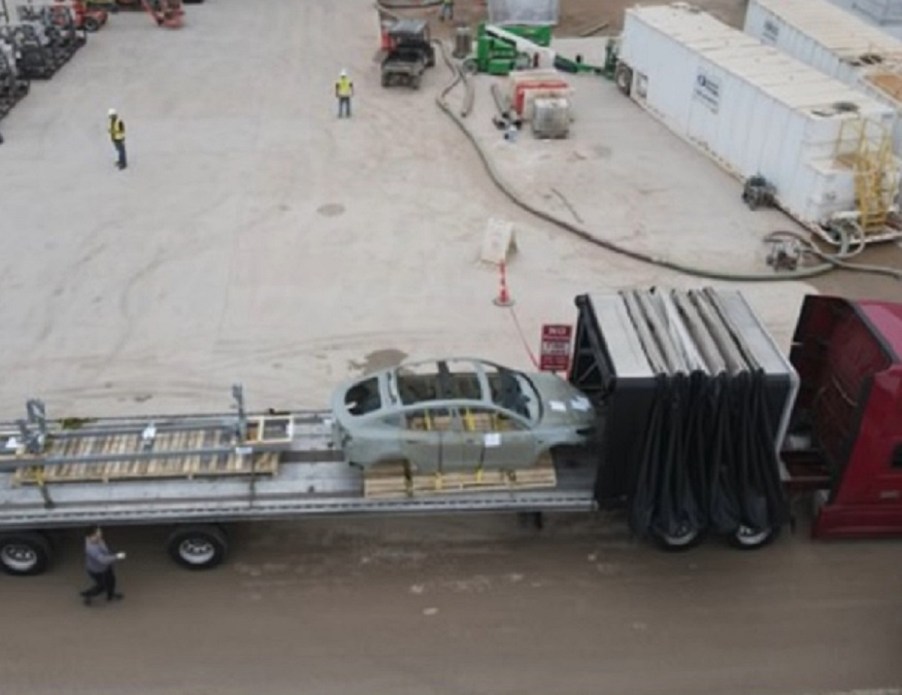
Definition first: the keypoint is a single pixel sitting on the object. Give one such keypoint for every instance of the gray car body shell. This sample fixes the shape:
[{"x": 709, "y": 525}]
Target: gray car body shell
[{"x": 489, "y": 427}]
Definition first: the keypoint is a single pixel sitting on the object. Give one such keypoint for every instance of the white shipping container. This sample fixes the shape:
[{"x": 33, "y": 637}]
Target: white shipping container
[
  {"x": 750, "y": 107},
  {"x": 835, "y": 42}
]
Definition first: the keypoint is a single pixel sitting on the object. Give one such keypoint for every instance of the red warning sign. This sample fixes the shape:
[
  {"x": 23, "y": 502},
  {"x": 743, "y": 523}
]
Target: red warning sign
[{"x": 554, "y": 355}]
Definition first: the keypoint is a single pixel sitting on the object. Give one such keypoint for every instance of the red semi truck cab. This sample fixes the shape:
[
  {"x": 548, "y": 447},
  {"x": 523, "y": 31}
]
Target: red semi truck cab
[{"x": 845, "y": 439}]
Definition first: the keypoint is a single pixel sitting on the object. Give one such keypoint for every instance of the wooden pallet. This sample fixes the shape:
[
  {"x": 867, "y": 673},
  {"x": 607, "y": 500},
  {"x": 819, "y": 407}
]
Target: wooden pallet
[
  {"x": 190, "y": 467},
  {"x": 392, "y": 480},
  {"x": 270, "y": 430}
]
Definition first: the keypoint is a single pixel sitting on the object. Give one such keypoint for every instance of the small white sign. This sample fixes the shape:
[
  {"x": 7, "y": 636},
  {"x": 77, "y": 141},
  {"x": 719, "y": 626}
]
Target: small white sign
[
  {"x": 492, "y": 439},
  {"x": 558, "y": 406}
]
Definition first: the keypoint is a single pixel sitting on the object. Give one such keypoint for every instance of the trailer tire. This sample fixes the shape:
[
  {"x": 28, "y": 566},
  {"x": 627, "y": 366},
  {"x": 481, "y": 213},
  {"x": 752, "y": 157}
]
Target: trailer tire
[
  {"x": 24, "y": 554},
  {"x": 198, "y": 547},
  {"x": 746, "y": 538},
  {"x": 623, "y": 78},
  {"x": 681, "y": 542}
]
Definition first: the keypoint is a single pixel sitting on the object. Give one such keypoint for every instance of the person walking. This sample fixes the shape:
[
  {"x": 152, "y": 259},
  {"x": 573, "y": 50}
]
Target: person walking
[
  {"x": 447, "y": 11},
  {"x": 117, "y": 135},
  {"x": 344, "y": 90},
  {"x": 99, "y": 563}
]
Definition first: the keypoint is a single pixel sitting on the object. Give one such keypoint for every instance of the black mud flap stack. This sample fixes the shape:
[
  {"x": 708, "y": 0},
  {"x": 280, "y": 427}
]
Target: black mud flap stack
[{"x": 694, "y": 398}]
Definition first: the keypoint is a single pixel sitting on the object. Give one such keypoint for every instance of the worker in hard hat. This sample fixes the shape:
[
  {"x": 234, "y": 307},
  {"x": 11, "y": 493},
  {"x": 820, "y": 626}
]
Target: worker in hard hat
[
  {"x": 117, "y": 135},
  {"x": 446, "y": 11},
  {"x": 344, "y": 90}
]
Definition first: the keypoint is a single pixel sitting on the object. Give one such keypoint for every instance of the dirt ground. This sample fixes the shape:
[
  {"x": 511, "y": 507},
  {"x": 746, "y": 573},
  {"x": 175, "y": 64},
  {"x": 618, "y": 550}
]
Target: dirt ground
[
  {"x": 256, "y": 238},
  {"x": 463, "y": 606}
]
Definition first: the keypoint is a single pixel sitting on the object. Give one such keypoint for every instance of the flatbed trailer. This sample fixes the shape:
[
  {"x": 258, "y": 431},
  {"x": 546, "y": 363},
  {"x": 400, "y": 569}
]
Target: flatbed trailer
[
  {"x": 197, "y": 473},
  {"x": 672, "y": 375}
]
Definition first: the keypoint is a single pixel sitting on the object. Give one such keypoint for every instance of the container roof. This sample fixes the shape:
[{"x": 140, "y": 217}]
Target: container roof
[
  {"x": 787, "y": 80},
  {"x": 886, "y": 317},
  {"x": 841, "y": 33}
]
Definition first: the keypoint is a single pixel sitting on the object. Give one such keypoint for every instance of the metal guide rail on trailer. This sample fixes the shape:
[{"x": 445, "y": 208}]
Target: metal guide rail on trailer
[{"x": 228, "y": 467}]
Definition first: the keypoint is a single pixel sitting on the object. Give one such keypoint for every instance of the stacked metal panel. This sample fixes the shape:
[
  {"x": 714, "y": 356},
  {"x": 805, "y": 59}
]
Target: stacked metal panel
[
  {"x": 752, "y": 108},
  {"x": 696, "y": 399},
  {"x": 835, "y": 42}
]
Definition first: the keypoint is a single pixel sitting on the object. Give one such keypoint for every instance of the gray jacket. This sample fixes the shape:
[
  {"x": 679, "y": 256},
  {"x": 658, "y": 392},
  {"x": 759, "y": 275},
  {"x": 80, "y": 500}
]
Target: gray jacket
[{"x": 98, "y": 557}]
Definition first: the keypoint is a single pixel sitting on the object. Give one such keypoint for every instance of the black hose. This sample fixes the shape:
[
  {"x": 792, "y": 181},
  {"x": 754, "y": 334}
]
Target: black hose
[{"x": 830, "y": 262}]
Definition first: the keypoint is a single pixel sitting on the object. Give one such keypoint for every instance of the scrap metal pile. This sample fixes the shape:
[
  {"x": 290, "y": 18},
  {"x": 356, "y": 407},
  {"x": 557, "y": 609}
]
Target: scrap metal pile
[{"x": 42, "y": 39}]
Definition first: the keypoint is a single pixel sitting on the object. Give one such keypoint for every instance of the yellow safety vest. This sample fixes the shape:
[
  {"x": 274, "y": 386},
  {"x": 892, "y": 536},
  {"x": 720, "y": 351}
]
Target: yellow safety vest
[
  {"x": 117, "y": 129},
  {"x": 344, "y": 86}
]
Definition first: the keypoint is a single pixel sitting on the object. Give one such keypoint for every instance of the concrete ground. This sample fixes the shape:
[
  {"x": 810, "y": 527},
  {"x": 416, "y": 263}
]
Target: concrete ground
[
  {"x": 460, "y": 606},
  {"x": 257, "y": 238}
]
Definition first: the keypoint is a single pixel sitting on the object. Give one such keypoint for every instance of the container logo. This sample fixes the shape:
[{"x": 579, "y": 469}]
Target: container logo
[
  {"x": 771, "y": 32},
  {"x": 707, "y": 91}
]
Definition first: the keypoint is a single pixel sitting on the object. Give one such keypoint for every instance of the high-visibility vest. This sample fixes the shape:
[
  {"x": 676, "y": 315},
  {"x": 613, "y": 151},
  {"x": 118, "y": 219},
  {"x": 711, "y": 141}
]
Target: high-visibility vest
[
  {"x": 344, "y": 86},
  {"x": 117, "y": 128}
]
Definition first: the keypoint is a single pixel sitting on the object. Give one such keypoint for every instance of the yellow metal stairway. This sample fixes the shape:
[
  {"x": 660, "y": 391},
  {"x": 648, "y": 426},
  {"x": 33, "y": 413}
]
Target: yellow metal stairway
[{"x": 866, "y": 147}]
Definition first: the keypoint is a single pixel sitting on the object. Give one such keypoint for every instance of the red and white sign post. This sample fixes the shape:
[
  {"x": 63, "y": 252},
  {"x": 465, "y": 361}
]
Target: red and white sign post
[{"x": 554, "y": 355}]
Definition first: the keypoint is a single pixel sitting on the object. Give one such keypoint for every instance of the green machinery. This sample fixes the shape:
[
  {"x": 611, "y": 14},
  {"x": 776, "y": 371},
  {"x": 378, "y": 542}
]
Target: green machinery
[
  {"x": 515, "y": 47},
  {"x": 498, "y": 56}
]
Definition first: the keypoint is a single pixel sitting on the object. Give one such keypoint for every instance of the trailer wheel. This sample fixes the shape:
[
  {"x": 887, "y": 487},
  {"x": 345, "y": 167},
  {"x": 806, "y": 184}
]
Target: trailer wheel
[
  {"x": 685, "y": 538},
  {"x": 198, "y": 547},
  {"x": 623, "y": 78},
  {"x": 25, "y": 553},
  {"x": 747, "y": 538}
]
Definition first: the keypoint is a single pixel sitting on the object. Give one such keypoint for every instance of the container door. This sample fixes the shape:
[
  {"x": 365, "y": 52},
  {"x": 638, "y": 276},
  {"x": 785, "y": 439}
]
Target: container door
[{"x": 704, "y": 107}]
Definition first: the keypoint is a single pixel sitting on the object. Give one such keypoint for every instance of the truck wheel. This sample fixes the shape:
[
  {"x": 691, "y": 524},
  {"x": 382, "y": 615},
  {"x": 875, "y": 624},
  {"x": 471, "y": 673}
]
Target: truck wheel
[
  {"x": 91, "y": 24},
  {"x": 685, "y": 538},
  {"x": 623, "y": 78},
  {"x": 747, "y": 538},
  {"x": 198, "y": 547},
  {"x": 25, "y": 553}
]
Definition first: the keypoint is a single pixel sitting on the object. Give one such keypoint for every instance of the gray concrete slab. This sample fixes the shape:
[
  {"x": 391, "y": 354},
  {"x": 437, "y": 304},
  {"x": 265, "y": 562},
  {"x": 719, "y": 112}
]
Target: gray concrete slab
[{"x": 255, "y": 237}]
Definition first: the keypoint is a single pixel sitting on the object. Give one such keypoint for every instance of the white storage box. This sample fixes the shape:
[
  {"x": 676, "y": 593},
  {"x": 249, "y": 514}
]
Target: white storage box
[
  {"x": 835, "y": 42},
  {"x": 750, "y": 107},
  {"x": 551, "y": 118}
]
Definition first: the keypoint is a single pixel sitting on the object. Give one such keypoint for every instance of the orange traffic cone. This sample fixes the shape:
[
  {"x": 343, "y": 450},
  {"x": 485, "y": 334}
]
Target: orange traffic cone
[{"x": 503, "y": 298}]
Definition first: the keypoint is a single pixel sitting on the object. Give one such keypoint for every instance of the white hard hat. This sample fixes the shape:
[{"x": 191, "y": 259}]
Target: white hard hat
[
  {"x": 111, "y": 112},
  {"x": 343, "y": 73}
]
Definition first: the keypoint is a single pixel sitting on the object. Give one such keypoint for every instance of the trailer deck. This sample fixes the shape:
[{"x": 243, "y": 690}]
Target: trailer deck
[{"x": 178, "y": 469}]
